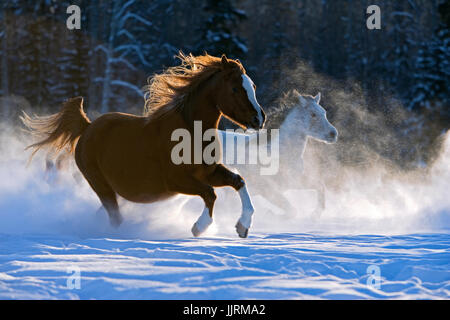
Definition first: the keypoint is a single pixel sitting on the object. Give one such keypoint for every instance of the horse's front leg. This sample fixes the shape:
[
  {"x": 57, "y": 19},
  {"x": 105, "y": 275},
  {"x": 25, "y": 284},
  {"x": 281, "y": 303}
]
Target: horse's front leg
[
  {"x": 222, "y": 177},
  {"x": 191, "y": 186},
  {"x": 205, "y": 220},
  {"x": 320, "y": 189}
]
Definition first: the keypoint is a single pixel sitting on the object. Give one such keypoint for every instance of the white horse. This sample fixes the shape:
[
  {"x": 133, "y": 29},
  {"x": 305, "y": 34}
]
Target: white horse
[{"x": 298, "y": 118}]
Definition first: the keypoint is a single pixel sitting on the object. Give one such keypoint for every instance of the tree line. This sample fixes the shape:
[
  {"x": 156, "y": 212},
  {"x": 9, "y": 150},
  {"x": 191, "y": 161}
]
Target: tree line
[{"x": 122, "y": 42}]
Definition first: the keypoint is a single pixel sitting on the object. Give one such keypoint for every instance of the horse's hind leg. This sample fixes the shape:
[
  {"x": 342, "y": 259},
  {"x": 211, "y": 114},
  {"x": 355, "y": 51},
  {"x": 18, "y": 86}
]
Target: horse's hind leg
[
  {"x": 277, "y": 198},
  {"x": 105, "y": 193},
  {"x": 109, "y": 201}
]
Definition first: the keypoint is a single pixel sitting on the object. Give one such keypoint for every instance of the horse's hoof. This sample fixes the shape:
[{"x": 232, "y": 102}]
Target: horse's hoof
[
  {"x": 195, "y": 231},
  {"x": 241, "y": 230},
  {"x": 116, "y": 221}
]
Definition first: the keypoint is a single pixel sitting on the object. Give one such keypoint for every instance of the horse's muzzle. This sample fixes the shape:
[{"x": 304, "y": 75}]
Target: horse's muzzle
[
  {"x": 257, "y": 121},
  {"x": 263, "y": 119},
  {"x": 333, "y": 136},
  {"x": 254, "y": 123}
]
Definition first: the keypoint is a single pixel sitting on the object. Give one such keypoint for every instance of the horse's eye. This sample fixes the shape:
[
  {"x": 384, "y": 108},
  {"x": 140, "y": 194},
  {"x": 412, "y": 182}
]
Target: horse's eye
[{"x": 313, "y": 115}]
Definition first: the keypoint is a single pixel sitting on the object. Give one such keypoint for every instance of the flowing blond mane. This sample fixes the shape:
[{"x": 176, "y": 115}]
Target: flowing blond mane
[{"x": 167, "y": 91}]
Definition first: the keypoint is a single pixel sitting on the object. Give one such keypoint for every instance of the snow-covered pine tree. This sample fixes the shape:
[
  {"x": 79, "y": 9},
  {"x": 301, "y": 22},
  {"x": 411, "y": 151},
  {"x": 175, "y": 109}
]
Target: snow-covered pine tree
[
  {"x": 69, "y": 50},
  {"x": 36, "y": 63},
  {"x": 218, "y": 34},
  {"x": 4, "y": 74},
  {"x": 430, "y": 93},
  {"x": 402, "y": 32},
  {"x": 120, "y": 49}
]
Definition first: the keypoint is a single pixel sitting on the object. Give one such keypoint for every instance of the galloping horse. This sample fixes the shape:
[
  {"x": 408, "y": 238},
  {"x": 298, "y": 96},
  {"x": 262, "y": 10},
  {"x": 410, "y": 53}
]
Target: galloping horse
[
  {"x": 299, "y": 117},
  {"x": 130, "y": 155}
]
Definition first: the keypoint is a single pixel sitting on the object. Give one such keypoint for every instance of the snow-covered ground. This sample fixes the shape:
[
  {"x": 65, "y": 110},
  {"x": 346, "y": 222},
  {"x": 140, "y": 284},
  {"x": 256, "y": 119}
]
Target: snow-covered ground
[
  {"x": 51, "y": 231},
  {"x": 265, "y": 266}
]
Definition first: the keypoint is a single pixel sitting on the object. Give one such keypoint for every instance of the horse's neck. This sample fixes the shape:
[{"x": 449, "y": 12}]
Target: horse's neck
[
  {"x": 293, "y": 140},
  {"x": 292, "y": 137},
  {"x": 292, "y": 149},
  {"x": 203, "y": 107}
]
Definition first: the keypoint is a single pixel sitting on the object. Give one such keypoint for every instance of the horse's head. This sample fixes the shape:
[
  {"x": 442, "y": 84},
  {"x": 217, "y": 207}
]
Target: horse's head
[
  {"x": 236, "y": 96},
  {"x": 311, "y": 117}
]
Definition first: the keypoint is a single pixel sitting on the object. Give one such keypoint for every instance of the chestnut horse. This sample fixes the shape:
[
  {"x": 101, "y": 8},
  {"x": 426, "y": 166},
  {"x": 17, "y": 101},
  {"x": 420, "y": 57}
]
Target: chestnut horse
[{"x": 130, "y": 155}]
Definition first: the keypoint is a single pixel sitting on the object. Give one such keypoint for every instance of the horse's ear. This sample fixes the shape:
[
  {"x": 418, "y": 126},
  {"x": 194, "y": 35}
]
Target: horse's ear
[
  {"x": 224, "y": 60},
  {"x": 302, "y": 100},
  {"x": 291, "y": 97},
  {"x": 317, "y": 98}
]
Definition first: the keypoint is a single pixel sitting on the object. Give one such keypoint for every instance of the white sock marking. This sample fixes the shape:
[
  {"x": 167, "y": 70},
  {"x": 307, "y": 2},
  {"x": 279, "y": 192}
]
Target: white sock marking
[
  {"x": 204, "y": 220},
  {"x": 247, "y": 207}
]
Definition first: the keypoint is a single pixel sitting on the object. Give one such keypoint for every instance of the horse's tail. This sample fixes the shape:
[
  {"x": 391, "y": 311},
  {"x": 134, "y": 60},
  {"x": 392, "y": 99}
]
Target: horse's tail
[{"x": 60, "y": 130}]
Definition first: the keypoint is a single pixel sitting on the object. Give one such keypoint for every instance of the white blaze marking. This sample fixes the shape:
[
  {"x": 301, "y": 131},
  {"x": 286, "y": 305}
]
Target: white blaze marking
[
  {"x": 247, "y": 83},
  {"x": 247, "y": 207}
]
